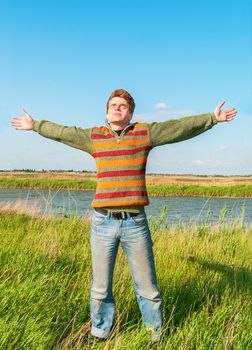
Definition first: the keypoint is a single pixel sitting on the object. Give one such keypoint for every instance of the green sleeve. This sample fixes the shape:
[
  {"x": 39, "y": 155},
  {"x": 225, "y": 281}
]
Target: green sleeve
[
  {"x": 70, "y": 135},
  {"x": 176, "y": 130}
]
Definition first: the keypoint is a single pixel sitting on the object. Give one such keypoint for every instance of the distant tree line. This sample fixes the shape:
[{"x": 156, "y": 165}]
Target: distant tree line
[
  {"x": 45, "y": 171},
  {"x": 88, "y": 171}
]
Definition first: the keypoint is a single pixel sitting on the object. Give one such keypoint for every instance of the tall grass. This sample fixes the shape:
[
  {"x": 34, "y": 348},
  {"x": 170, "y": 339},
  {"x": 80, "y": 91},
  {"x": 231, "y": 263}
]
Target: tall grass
[
  {"x": 153, "y": 190},
  {"x": 201, "y": 191},
  {"x": 204, "y": 274},
  {"x": 47, "y": 183}
]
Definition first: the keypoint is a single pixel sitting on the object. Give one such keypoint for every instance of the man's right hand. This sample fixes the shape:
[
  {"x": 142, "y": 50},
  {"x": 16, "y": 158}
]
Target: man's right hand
[{"x": 22, "y": 123}]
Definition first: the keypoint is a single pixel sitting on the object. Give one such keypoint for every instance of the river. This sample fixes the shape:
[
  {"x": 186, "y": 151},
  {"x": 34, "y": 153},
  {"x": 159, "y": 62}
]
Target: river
[{"x": 177, "y": 209}]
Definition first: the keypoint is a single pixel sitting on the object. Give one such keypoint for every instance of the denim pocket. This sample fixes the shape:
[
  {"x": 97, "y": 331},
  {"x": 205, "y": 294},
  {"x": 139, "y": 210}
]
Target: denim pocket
[
  {"x": 99, "y": 219},
  {"x": 139, "y": 219}
]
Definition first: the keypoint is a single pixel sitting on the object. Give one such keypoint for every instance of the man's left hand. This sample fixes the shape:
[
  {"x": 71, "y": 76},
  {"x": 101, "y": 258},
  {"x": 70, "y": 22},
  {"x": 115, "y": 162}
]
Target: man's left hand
[{"x": 225, "y": 115}]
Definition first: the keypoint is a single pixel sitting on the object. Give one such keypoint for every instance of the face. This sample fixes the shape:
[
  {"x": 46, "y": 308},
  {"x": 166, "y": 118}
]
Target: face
[{"x": 118, "y": 111}]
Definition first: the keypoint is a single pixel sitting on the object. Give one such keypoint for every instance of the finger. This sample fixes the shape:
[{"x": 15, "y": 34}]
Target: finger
[
  {"x": 230, "y": 110},
  {"x": 25, "y": 112},
  {"x": 231, "y": 114},
  {"x": 18, "y": 118},
  {"x": 221, "y": 104},
  {"x": 16, "y": 124},
  {"x": 230, "y": 118}
]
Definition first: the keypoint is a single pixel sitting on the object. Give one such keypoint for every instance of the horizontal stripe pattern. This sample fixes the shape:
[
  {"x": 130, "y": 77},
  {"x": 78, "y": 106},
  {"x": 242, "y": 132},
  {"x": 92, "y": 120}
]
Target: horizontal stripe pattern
[
  {"x": 101, "y": 136},
  {"x": 122, "y": 189},
  {"x": 118, "y": 153},
  {"x": 109, "y": 136},
  {"x": 120, "y": 194},
  {"x": 120, "y": 173},
  {"x": 122, "y": 143},
  {"x": 121, "y": 162},
  {"x": 121, "y": 166},
  {"x": 116, "y": 184},
  {"x": 119, "y": 178},
  {"x": 120, "y": 203}
]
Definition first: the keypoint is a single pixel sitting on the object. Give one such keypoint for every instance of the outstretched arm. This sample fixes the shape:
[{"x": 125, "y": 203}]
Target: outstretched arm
[
  {"x": 185, "y": 128},
  {"x": 70, "y": 135}
]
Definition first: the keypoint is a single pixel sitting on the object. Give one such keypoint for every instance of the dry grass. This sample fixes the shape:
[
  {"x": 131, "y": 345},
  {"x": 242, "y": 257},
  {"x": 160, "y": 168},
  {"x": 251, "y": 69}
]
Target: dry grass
[
  {"x": 48, "y": 175},
  {"x": 198, "y": 180},
  {"x": 22, "y": 207},
  {"x": 150, "y": 179}
]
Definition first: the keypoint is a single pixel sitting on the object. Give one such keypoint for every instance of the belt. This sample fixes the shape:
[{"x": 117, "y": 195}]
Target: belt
[{"x": 115, "y": 214}]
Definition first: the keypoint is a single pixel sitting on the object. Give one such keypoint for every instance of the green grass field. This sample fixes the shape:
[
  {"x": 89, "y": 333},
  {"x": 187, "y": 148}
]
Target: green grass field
[
  {"x": 153, "y": 190},
  {"x": 204, "y": 274}
]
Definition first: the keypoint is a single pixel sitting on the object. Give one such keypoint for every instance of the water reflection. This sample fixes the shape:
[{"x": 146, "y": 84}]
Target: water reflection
[{"x": 184, "y": 209}]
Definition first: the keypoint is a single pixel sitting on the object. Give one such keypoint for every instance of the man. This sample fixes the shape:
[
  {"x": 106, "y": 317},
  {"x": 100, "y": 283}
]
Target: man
[{"x": 120, "y": 150}]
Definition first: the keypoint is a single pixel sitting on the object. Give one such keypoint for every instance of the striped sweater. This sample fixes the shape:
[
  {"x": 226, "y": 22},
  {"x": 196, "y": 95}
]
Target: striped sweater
[{"x": 121, "y": 159}]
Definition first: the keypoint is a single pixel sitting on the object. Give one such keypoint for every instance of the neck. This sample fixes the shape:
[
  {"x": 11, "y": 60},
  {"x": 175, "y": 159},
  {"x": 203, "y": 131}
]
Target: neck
[{"x": 116, "y": 127}]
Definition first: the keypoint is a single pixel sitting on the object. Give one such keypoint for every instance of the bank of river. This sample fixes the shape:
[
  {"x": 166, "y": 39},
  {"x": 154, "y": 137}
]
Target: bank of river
[
  {"x": 178, "y": 209},
  {"x": 233, "y": 191}
]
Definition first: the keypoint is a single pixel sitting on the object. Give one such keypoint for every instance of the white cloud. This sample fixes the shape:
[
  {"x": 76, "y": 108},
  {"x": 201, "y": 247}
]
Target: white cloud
[
  {"x": 223, "y": 148},
  {"x": 217, "y": 162},
  {"x": 163, "y": 111},
  {"x": 199, "y": 162},
  {"x": 162, "y": 106},
  {"x": 162, "y": 115}
]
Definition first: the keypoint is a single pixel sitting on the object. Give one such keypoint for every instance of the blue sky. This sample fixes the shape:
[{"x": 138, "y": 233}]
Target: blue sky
[{"x": 60, "y": 60}]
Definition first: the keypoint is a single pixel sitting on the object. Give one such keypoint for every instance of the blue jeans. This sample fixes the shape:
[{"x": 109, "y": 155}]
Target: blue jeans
[{"x": 134, "y": 235}]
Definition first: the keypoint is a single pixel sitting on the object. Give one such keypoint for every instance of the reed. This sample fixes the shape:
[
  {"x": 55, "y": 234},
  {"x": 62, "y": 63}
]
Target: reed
[
  {"x": 204, "y": 274},
  {"x": 47, "y": 183},
  {"x": 201, "y": 191},
  {"x": 154, "y": 190}
]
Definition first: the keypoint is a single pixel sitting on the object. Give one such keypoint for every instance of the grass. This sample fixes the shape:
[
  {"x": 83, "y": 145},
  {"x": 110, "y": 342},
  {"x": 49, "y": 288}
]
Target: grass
[
  {"x": 47, "y": 183},
  {"x": 153, "y": 190},
  {"x": 204, "y": 274},
  {"x": 201, "y": 191}
]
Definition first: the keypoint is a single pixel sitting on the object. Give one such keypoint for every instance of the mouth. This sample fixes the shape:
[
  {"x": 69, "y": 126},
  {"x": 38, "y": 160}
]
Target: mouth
[{"x": 116, "y": 114}]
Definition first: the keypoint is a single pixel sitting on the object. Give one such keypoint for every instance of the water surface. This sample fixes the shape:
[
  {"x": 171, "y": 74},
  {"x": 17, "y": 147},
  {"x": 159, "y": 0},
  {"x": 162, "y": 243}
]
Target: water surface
[{"x": 178, "y": 209}]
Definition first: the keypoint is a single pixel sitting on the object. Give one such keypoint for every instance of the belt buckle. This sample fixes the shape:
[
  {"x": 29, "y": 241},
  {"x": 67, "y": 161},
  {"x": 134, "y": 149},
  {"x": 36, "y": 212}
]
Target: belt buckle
[{"x": 119, "y": 215}]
